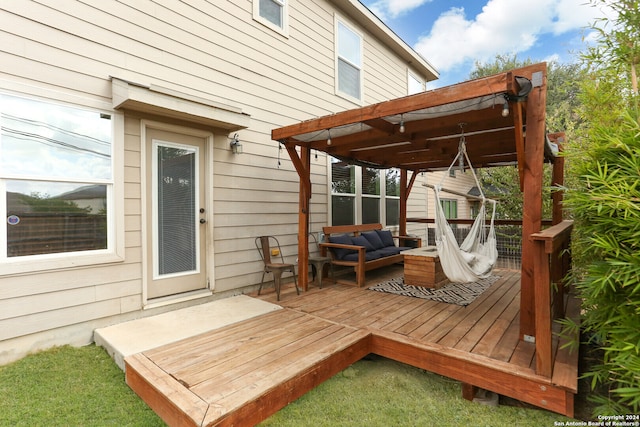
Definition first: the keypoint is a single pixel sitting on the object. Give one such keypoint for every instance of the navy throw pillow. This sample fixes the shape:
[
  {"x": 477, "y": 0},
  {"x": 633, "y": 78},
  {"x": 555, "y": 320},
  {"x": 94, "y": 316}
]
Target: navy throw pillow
[
  {"x": 386, "y": 237},
  {"x": 362, "y": 241},
  {"x": 342, "y": 239},
  {"x": 374, "y": 239}
]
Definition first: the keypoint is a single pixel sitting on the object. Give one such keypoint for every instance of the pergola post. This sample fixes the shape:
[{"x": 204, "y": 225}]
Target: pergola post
[
  {"x": 404, "y": 195},
  {"x": 406, "y": 185},
  {"x": 532, "y": 209},
  {"x": 303, "y": 222},
  {"x": 302, "y": 163},
  {"x": 557, "y": 178}
]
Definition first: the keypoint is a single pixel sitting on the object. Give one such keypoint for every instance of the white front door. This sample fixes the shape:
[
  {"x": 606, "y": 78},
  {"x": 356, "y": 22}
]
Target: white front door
[{"x": 176, "y": 215}]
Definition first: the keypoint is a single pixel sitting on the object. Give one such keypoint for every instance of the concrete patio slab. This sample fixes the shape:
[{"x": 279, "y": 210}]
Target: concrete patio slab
[{"x": 139, "y": 335}]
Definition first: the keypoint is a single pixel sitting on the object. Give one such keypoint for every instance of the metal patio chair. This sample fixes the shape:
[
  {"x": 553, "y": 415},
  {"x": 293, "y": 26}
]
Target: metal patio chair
[
  {"x": 269, "y": 248},
  {"x": 317, "y": 262}
]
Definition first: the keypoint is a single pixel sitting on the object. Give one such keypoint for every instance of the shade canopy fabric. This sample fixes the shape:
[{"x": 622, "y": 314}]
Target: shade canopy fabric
[{"x": 420, "y": 132}]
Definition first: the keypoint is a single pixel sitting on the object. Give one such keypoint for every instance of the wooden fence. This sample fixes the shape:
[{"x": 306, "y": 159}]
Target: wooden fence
[{"x": 43, "y": 233}]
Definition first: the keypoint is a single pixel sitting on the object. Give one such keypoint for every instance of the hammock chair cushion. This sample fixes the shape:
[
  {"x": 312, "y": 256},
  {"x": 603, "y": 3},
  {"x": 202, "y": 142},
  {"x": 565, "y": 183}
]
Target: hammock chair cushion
[{"x": 475, "y": 257}]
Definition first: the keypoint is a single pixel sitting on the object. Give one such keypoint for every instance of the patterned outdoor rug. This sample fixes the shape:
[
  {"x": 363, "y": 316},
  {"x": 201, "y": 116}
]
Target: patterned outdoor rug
[{"x": 453, "y": 293}]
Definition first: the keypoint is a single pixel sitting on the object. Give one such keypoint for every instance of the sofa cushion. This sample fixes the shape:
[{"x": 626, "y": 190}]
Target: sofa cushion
[
  {"x": 386, "y": 237},
  {"x": 342, "y": 239},
  {"x": 368, "y": 256},
  {"x": 389, "y": 250},
  {"x": 362, "y": 241},
  {"x": 374, "y": 239}
]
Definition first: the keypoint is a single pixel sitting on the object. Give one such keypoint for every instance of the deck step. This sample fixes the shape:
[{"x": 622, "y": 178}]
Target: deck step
[
  {"x": 139, "y": 335},
  {"x": 270, "y": 361}
]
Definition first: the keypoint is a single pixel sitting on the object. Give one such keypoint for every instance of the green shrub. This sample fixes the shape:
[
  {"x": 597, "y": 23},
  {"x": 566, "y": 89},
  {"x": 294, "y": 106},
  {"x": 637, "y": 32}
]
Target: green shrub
[{"x": 606, "y": 208}]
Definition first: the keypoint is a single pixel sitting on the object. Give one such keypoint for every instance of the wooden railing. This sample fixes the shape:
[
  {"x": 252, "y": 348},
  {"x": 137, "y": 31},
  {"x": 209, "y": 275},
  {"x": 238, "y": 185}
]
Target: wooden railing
[
  {"x": 467, "y": 221},
  {"x": 552, "y": 262}
]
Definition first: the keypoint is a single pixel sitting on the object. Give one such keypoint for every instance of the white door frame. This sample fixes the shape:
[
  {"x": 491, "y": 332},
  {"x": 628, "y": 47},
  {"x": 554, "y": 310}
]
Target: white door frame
[{"x": 146, "y": 216}]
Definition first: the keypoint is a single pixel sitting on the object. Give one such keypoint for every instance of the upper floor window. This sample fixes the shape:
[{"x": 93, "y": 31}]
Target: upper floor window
[
  {"x": 414, "y": 84},
  {"x": 272, "y": 13},
  {"x": 348, "y": 61},
  {"x": 56, "y": 178}
]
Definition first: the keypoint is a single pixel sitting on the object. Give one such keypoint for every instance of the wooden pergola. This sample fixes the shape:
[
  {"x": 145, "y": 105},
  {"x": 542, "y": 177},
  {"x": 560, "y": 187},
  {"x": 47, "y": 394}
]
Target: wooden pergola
[{"x": 420, "y": 133}]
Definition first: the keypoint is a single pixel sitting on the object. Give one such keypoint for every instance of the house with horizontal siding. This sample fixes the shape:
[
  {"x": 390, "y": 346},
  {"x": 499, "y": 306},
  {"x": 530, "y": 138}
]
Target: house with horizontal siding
[{"x": 136, "y": 164}]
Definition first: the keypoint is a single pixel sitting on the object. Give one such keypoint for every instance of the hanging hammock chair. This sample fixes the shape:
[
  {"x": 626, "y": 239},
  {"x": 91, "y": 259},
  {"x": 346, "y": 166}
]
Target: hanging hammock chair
[{"x": 475, "y": 257}]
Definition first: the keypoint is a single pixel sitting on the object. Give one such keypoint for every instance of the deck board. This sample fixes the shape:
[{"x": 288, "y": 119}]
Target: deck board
[
  {"x": 499, "y": 330},
  {"x": 261, "y": 373},
  {"x": 475, "y": 333},
  {"x": 242, "y": 373},
  {"x": 431, "y": 319},
  {"x": 211, "y": 345},
  {"x": 506, "y": 345},
  {"x": 450, "y": 329},
  {"x": 269, "y": 346}
]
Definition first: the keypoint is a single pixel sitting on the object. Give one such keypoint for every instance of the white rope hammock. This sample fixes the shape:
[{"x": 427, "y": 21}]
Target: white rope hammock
[{"x": 475, "y": 257}]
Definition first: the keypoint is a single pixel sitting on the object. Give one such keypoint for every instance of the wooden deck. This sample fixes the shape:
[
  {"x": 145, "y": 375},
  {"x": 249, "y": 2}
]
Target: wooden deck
[{"x": 243, "y": 373}]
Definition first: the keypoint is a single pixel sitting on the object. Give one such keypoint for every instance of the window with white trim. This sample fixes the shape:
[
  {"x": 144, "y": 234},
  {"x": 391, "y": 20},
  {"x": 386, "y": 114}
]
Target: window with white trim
[
  {"x": 348, "y": 61},
  {"x": 343, "y": 193},
  {"x": 450, "y": 208},
  {"x": 370, "y": 199},
  {"x": 272, "y": 13},
  {"x": 392, "y": 196},
  {"x": 361, "y": 195},
  {"x": 414, "y": 84},
  {"x": 56, "y": 178}
]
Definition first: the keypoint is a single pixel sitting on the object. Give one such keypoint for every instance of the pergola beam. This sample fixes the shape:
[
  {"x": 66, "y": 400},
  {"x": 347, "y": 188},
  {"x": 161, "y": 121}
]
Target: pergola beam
[{"x": 450, "y": 94}]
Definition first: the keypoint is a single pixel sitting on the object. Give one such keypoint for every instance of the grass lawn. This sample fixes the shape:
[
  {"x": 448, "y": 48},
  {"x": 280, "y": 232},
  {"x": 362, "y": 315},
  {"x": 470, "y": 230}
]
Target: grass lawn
[
  {"x": 381, "y": 392},
  {"x": 68, "y": 386}
]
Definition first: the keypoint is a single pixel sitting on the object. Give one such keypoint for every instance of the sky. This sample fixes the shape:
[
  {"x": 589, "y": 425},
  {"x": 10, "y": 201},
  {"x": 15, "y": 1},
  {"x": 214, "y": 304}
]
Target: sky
[{"x": 455, "y": 34}]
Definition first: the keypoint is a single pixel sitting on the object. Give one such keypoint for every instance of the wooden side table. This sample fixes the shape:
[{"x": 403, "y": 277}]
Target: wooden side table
[{"x": 422, "y": 268}]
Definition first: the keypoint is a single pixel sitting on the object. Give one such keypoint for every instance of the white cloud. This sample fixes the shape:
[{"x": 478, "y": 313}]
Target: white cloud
[
  {"x": 574, "y": 14},
  {"x": 503, "y": 27},
  {"x": 385, "y": 9},
  {"x": 554, "y": 57}
]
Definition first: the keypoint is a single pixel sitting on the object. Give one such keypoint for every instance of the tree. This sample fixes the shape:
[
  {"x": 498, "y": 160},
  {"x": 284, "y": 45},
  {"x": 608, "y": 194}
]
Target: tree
[
  {"x": 44, "y": 203},
  {"x": 618, "y": 48},
  {"x": 606, "y": 209},
  {"x": 604, "y": 198},
  {"x": 562, "y": 115}
]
